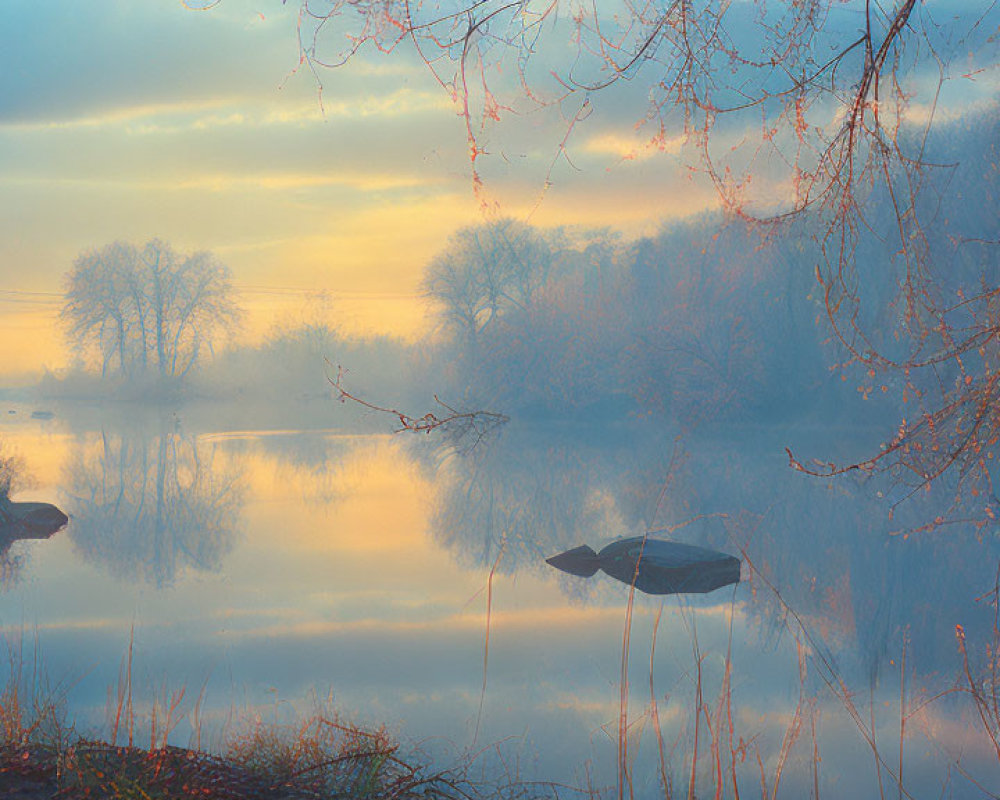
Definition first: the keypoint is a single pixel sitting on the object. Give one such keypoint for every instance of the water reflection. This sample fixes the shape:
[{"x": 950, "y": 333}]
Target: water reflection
[
  {"x": 823, "y": 551},
  {"x": 356, "y": 597},
  {"x": 540, "y": 489},
  {"x": 306, "y": 463},
  {"x": 20, "y": 521},
  {"x": 149, "y": 507},
  {"x": 653, "y": 566}
]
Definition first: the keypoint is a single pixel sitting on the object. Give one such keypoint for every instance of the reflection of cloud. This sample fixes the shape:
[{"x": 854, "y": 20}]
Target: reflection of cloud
[{"x": 563, "y": 620}]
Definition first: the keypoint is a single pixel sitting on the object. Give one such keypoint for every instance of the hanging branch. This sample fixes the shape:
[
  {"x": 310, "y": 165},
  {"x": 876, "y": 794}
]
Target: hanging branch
[{"x": 959, "y": 437}]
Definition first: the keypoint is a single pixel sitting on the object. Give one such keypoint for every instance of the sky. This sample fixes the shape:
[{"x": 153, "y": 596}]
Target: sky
[{"x": 127, "y": 121}]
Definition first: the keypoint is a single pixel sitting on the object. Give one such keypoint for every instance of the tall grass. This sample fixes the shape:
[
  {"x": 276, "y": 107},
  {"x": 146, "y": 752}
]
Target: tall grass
[
  {"x": 720, "y": 750},
  {"x": 318, "y": 756},
  {"x": 725, "y": 756}
]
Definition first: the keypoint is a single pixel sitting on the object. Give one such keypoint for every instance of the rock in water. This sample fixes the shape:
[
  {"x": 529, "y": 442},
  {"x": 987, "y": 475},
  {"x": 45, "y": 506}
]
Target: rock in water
[
  {"x": 31, "y": 520},
  {"x": 656, "y": 565}
]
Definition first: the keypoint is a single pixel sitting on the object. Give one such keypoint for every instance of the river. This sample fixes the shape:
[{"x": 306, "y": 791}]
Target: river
[{"x": 400, "y": 580}]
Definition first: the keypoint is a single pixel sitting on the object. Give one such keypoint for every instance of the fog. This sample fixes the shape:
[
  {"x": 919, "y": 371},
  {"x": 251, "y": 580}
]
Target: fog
[{"x": 692, "y": 384}]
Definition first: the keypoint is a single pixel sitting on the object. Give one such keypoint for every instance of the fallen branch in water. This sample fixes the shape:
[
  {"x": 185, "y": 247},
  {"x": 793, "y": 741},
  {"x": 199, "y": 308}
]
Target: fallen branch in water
[{"x": 457, "y": 422}]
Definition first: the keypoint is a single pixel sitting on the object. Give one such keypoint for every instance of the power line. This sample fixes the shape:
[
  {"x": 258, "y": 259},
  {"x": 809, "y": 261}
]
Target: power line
[
  {"x": 26, "y": 297},
  {"x": 294, "y": 291},
  {"x": 33, "y": 294},
  {"x": 18, "y": 301}
]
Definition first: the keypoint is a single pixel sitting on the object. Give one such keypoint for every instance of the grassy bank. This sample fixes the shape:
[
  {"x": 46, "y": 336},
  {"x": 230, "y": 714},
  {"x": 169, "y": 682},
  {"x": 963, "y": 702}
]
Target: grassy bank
[
  {"x": 320, "y": 759},
  {"x": 43, "y": 756}
]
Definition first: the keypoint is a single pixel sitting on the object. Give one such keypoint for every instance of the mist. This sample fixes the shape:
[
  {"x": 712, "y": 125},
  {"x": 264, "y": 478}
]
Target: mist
[{"x": 303, "y": 505}]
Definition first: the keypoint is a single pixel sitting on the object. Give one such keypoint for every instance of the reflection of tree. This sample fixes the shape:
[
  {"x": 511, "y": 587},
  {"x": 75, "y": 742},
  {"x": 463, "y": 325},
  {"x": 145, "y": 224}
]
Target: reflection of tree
[
  {"x": 837, "y": 562},
  {"x": 152, "y": 507},
  {"x": 824, "y": 547},
  {"x": 533, "y": 492},
  {"x": 13, "y": 473}
]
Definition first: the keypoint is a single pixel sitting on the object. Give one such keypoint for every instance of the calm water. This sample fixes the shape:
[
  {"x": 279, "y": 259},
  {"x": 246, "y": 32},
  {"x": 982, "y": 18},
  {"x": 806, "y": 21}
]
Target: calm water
[{"x": 275, "y": 567}]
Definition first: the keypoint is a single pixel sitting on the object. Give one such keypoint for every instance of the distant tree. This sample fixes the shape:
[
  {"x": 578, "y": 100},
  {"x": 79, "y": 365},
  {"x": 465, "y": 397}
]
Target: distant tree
[
  {"x": 818, "y": 106},
  {"x": 486, "y": 271},
  {"x": 13, "y": 473},
  {"x": 149, "y": 309}
]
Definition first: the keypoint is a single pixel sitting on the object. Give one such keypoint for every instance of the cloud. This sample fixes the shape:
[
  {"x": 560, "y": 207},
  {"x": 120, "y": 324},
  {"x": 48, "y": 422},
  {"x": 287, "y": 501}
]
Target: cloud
[
  {"x": 182, "y": 143},
  {"x": 247, "y": 111},
  {"x": 631, "y": 148},
  {"x": 73, "y": 61}
]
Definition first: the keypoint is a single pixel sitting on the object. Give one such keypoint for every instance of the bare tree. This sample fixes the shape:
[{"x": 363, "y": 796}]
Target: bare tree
[
  {"x": 464, "y": 429},
  {"x": 97, "y": 313},
  {"x": 148, "y": 309},
  {"x": 486, "y": 271}
]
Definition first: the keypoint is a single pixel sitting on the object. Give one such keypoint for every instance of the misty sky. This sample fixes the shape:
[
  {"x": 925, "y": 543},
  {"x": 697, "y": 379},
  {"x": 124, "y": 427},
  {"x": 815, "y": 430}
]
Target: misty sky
[
  {"x": 133, "y": 120},
  {"x": 127, "y": 121}
]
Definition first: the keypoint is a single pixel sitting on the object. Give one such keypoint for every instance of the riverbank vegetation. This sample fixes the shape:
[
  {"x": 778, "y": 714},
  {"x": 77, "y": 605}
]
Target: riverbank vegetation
[{"x": 42, "y": 755}]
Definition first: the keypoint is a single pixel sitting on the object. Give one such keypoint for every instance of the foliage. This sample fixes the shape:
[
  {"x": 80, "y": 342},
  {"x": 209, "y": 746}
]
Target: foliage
[
  {"x": 786, "y": 107},
  {"x": 698, "y": 323},
  {"x": 945, "y": 377}
]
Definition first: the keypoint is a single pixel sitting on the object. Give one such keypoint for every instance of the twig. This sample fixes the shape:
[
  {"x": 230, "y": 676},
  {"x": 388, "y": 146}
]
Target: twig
[{"x": 478, "y": 422}]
